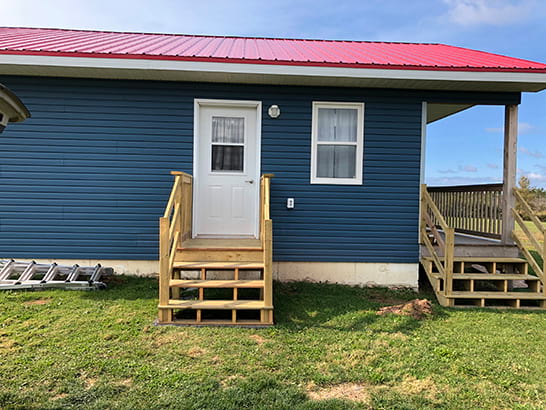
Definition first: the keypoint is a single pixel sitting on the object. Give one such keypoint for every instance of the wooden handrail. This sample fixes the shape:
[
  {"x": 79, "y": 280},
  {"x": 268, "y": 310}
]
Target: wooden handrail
[
  {"x": 535, "y": 243},
  {"x": 472, "y": 209},
  {"x": 431, "y": 218},
  {"x": 174, "y": 227},
  {"x": 466, "y": 188},
  {"x": 266, "y": 237}
]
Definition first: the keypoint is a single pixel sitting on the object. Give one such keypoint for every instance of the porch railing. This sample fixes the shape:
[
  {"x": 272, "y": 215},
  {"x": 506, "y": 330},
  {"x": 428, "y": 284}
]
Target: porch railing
[
  {"x": 174, "y": 227},
  {"x": 471, "y": 209},
  {"x": 532, "y": 241},
  {"x": 442, "y": 256}
]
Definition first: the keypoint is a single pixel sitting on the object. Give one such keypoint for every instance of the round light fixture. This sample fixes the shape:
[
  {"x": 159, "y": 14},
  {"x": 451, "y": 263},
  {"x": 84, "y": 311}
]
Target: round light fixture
[{"x": 274, "y": 111}]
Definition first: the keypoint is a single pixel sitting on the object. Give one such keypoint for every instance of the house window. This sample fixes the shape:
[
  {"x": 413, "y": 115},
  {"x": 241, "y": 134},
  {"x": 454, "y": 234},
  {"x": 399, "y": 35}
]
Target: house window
[{"x": 337, "y": 140}]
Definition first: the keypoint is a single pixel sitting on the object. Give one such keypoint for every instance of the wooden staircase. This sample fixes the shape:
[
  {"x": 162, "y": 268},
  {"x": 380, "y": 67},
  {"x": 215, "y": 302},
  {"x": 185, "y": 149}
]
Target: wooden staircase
[
  {"x": 213, "y": 281},
  {"x": 482, "y": 281}
]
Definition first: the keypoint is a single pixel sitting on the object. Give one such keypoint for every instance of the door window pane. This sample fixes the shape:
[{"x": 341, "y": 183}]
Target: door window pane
[
  {"x": 337, "y": 124},
  {"x": 228, "y": 130},
  {"x": 227, "y": 158},
  {"x": 336, "y": 161}
]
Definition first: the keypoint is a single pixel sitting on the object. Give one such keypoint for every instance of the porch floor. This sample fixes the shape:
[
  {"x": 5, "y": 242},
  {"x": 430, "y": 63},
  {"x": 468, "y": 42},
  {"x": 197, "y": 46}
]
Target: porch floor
[
  {"x": 221, "y": 243},
  {"x": 476, "y": 246}
]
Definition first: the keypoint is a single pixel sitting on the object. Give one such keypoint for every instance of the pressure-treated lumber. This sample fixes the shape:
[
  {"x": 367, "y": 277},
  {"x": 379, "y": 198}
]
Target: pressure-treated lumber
[
  {"x": 509, "y": 171},
  {"x": 218, "y": 265},
  {"x": 456, "y": 282},
  {"x": 185, "y": 283},
  {"x": 216, "y": 304},
  {"x": 213, "y": 259}
]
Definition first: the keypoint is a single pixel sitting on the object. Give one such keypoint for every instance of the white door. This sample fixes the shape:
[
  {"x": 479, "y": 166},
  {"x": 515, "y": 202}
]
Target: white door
[{"x": 227, "y": 178}]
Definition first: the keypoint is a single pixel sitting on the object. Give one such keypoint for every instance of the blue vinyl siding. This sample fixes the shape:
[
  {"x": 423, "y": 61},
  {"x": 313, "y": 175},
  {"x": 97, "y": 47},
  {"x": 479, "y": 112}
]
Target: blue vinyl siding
[{"x": 88, "y": 175}]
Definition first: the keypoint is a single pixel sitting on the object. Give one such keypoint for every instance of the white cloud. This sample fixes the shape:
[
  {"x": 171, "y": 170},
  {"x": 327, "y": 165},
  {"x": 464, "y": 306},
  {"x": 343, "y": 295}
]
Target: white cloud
[
  {"x": 469, "y": 168},
  {"x": 523, "y": 128},
  {"x": 534, "y": 154},
  {"x": 432, "y": 181},
  {"x": 493, "y": 166},
  {"x": 487, "y": 12}
]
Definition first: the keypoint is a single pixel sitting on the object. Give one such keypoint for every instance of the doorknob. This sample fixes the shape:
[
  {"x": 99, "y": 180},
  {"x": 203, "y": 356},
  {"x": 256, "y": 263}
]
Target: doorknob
[{"x": 250, "y": 181}]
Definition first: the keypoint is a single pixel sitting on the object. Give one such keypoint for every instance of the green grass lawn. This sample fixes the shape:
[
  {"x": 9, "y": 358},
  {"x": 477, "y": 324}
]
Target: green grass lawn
[{"x": 329, "y": 349}]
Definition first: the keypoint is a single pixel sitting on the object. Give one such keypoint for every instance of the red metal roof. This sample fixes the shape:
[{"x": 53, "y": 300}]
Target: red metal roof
[{"x": 81, "y": 43}]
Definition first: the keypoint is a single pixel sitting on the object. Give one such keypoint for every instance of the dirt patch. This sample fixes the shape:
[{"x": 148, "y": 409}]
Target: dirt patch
[
  {"x": 346, "y": 391},
  {"x": 8, "y": 344},
  {"x": 88, "y": 382},
  {"x": 37, "y": 302},
  {"x": 411, "y": 385},
  {"x": 126, "y": 382},
  {"x": 417, "y": 309},
  {"x": 161, "y": 339},
  {"x": 230, "y": 380},
  {"x": 258, "y": 339},
  {"x": 196, "y": 351}
]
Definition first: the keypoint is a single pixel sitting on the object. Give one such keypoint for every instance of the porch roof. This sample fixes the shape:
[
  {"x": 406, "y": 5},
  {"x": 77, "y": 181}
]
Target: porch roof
[{"x": 58, "y": 52}]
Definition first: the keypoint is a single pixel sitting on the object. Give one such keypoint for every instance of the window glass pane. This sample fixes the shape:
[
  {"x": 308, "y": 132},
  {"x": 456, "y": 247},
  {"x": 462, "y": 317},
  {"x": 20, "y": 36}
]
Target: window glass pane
[
  {"x": 337, "y": 124},
  {"x": 228, "y": 130},
  {"x": 336, "y": 161},
  {"x": 227, "y": 158},
  {"x": 326, "y": 124}
]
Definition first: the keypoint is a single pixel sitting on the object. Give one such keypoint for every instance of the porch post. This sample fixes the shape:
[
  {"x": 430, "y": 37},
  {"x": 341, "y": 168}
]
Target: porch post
[{"x": 509, "y": 171}]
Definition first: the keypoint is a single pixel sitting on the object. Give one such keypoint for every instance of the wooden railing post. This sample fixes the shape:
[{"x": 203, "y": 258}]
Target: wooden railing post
[
  {"x": 266, "y": 237},
  {"x": 509, "y": 171},
  {"x": 164, "y": 270},
  {"x": 448, "y": 260},
  {"x": 268, "y": 263},
  {"x": 543, "y": 262},
  {"x": 422, "y": 209}
]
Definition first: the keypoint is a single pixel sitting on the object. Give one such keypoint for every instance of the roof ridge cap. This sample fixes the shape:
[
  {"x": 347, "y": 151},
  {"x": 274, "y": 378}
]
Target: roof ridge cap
[{"x": 218, "y": 36}]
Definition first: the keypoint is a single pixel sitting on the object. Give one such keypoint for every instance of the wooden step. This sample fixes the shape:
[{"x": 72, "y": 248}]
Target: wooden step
[
  {"x": 216, "y": 304},
  {"x": 219, "y": 255},
  {"x": 220, "y": 244},
  {"x": 480, "y": 259},
  {"x": 493, "y": 276},
  {"x": 179, "y": 283},
  {"x": 495, "y": 295},
  {"x": 225, "y": 265}
]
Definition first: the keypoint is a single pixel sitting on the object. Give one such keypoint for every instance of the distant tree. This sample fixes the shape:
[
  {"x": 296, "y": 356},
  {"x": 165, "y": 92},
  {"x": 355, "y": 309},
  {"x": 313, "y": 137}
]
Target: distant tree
[{"x": 534, "y": 196}]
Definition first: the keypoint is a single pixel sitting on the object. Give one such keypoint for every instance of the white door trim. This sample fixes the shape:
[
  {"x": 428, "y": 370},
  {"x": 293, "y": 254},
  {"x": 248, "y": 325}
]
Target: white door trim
[{"x": 201, "y": 102}]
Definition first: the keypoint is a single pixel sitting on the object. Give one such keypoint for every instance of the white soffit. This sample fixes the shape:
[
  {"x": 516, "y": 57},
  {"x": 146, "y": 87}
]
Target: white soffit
[{"x": 169, "y": 70}]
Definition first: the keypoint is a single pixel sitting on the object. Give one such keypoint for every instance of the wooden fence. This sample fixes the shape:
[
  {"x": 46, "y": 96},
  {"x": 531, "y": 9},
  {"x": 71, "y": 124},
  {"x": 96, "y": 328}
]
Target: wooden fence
[{"x": 471, "y": 209}]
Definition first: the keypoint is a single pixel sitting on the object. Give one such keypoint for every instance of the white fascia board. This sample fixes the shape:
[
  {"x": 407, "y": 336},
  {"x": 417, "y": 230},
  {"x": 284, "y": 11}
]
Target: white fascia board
[{"x": 270, "y": 69}]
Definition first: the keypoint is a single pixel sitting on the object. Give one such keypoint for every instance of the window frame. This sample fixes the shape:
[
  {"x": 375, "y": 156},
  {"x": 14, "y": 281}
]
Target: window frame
[{"x": 359, "y": 143}]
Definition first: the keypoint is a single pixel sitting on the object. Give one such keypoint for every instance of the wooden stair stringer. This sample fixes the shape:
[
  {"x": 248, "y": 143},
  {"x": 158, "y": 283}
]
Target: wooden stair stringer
[
  {"x": 208, "y": 263},
  {"x": 501, "y": 294}
]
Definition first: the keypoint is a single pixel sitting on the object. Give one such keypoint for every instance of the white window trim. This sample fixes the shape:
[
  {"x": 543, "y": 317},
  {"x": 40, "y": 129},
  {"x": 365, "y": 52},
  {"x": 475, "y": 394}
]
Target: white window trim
[{"x": 359, "y": 143}]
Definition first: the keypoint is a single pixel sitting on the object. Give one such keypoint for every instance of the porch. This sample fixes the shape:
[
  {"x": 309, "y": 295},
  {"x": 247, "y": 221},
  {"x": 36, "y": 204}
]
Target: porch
[
  {"x": 213, "y": 281},
  {"x": 471, "y": 253}
]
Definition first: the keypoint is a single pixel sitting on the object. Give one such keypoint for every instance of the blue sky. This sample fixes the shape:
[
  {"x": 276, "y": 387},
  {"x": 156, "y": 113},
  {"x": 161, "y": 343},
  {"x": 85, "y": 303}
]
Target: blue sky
[{"x": 472, "y": 139}]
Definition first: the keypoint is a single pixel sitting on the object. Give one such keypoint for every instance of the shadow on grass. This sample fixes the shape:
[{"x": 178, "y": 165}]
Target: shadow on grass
[
  {"x": 303, "y": 305},
  {"x": 125, "y": 287},
  {"x": 306, "y": 305}
]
